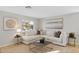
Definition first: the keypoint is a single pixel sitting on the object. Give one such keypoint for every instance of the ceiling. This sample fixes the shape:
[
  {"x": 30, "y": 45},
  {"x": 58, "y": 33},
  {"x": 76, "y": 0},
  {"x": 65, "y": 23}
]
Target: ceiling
[{"x": 41, "y": 11}]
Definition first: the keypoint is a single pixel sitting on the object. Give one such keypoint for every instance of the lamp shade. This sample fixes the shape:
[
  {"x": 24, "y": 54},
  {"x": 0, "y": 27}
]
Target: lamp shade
[
  {"x": 31, "y": 22},
  {"x": 18, "y": 30}
]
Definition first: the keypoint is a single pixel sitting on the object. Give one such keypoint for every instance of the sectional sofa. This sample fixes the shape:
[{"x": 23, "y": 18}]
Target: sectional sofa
[{"x": 30, "y": 37}]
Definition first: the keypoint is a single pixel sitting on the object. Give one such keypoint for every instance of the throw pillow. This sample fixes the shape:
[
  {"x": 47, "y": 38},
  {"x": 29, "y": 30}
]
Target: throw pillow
[{"x": 57, "y": 34}]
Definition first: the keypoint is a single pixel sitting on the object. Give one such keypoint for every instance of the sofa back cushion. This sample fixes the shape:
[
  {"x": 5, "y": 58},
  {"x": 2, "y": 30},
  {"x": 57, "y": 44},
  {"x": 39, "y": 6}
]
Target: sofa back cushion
[
  {"x": 49, "y": 33},
  {"x": 30, "y": 33}
]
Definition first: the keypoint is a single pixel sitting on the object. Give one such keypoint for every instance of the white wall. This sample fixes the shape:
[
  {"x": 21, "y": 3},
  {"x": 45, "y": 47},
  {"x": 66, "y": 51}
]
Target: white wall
[
  {"x": 6, "y": 37},
  {"x": 70, "y": 24}
]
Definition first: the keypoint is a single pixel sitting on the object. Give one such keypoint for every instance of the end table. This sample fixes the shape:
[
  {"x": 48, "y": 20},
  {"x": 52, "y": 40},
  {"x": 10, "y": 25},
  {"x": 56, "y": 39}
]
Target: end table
[{"x": 18, "y": 39}]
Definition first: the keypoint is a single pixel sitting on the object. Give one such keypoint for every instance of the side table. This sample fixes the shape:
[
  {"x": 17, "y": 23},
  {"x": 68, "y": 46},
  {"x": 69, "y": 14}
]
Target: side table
[
  {"x": 71, "y": 37},
  {"x": 18, "y": 39},
  {"x": 74, "y": 41}
]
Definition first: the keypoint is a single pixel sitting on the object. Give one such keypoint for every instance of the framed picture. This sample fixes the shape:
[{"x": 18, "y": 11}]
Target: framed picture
[
  {"x": 9, "y": 23},
  {"x": 54, "y": 23}
]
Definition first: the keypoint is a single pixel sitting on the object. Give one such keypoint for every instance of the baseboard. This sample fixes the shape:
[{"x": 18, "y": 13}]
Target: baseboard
[{"x": 4, "y": 45}]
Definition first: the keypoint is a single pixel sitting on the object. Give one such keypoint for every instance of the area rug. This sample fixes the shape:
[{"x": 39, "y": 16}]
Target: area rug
[{"x": 41, "y": 49}]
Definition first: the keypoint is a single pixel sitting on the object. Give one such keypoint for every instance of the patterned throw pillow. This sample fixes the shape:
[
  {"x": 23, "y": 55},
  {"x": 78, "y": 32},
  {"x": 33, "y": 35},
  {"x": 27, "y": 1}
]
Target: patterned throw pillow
[{"x": 57, "y": 34}]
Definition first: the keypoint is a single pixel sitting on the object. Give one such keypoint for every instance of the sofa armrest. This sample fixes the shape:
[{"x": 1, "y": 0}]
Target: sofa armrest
[{"x": 64, "y": 38}]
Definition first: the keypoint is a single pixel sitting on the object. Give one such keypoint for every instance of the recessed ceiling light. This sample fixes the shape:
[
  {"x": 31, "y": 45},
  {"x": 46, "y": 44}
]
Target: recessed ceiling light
[{"x": 28, "y": 7}]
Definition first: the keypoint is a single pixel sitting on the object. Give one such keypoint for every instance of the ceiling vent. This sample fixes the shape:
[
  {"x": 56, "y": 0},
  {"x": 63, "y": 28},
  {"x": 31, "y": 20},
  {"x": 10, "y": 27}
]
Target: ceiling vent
[{"x": 28, "y": 7}]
